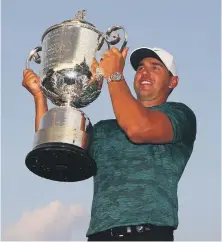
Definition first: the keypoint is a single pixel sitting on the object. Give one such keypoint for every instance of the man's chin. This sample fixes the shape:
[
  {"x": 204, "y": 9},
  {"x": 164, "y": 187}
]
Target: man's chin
[
  {"x": 145, "y": 94},
  {"x": 145, "y": 97}
]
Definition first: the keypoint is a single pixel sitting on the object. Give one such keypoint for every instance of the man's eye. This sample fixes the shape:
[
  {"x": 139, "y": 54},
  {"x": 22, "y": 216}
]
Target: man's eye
[
  {"x": 156, "y": 68},
  {"x": 139, "y": 68}
]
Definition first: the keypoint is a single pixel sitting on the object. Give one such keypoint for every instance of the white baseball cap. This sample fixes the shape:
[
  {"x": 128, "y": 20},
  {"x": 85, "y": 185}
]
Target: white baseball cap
[{"x": 162, "y": 55}]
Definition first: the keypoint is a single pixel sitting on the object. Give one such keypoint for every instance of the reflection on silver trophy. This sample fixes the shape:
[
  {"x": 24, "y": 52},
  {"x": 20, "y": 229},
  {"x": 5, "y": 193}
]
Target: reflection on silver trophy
[{"x": 70, "y": 79}]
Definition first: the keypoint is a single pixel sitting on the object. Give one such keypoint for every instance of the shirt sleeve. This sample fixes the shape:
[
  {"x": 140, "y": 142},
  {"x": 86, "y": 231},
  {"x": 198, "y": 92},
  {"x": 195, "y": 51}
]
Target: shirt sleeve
[
  {"x": 92, "y": 147},
  {"x": 183, "y": 121}
]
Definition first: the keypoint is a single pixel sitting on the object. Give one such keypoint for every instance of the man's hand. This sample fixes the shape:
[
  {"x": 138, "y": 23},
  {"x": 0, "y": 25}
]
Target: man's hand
[
  {"x": 94, "y": 66},
  {"x": 94, "y": 78},
  {"x": 113, "y": 61},
  {"x": 32, "y": 83}
]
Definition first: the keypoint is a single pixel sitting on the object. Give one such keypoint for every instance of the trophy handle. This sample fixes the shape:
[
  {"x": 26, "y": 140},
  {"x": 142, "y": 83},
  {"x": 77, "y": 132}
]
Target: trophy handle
[
  {"x": 34, "y": 55},
  {"x": 111, "y": 32}
]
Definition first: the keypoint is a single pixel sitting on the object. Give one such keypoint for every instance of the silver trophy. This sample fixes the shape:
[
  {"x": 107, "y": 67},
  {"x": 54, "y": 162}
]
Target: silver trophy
[{"x": 70, "y": 79}]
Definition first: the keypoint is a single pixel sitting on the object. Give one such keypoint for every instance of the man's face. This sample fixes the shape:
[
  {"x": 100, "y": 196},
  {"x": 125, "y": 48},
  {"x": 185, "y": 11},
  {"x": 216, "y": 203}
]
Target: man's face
[{"x": 152, "y": 80}]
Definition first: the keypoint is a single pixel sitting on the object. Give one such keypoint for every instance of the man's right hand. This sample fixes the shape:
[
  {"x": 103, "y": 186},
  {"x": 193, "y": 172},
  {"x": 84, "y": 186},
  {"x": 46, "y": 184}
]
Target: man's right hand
[{"x": 32, "y": 83}]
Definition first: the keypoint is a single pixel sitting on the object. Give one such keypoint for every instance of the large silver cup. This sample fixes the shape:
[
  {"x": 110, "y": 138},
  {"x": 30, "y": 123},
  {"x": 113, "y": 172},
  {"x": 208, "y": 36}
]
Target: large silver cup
[{"x": 70, "y": 79}]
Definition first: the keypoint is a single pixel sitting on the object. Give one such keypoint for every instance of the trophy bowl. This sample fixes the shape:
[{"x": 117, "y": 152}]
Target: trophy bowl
[{"x": 71, "y": 79}]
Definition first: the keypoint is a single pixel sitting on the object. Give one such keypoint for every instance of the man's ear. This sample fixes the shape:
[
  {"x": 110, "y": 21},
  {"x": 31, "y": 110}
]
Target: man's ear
[{"x": 173, "y": 82}]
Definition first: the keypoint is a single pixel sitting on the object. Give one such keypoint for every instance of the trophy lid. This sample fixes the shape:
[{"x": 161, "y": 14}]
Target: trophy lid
[{"x": 78, "y": 19}]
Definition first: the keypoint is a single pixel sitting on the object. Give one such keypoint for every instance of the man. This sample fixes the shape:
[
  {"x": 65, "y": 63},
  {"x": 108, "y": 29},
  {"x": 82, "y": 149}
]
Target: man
[{"x": 140, "y": 155}]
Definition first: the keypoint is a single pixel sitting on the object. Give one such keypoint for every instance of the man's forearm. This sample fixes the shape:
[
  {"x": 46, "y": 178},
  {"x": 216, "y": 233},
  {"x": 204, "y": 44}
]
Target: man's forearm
[{"x": 41, "y": 108}]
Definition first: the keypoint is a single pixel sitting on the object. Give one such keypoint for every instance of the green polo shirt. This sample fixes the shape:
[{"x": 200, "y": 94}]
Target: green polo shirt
[{"x": 137, "y": 183}]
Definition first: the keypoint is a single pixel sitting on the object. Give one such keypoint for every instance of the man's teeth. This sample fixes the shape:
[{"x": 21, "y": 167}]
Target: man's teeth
[{"x": 146, "y": 82}]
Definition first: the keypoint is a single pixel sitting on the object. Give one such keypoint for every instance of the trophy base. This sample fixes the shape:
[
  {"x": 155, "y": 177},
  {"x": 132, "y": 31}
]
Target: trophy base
[{"x": 61, "y": 162}]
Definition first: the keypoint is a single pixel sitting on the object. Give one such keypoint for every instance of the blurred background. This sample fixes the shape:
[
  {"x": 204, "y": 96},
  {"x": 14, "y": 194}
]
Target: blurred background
[{"x": 33, "y": 208}]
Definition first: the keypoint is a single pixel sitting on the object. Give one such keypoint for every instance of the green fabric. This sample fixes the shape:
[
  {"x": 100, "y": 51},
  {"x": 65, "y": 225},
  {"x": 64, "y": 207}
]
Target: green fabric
[{"x": 137, "y": 183}]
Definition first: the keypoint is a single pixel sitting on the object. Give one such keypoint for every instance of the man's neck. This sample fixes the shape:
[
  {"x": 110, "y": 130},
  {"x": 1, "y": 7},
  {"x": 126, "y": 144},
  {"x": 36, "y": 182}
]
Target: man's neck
[{"x": 154, "y": 102}]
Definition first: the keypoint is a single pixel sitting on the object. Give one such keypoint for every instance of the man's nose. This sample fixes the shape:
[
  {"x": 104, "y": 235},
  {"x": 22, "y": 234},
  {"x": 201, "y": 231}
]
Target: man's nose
[{"x": 146, "y": 71}]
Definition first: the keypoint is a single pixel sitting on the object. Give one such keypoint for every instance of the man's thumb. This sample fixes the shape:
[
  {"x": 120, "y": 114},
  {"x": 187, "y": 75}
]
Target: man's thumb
[{"x": 124, "y": 53}]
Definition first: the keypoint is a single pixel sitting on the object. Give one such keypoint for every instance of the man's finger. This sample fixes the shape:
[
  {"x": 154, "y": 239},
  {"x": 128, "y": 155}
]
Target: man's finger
[
  {"x": 26, "y": 71},
  {"x": 29, "y": 73},
  {"x": 94, "y": 65},
  {"x": 116, "y": 51},
  {"x": 95, "y": 62},
  {"x": 108, "y": 52},
  {"x": 124, "y": 53},
  {"x": 101, "y": 68}
]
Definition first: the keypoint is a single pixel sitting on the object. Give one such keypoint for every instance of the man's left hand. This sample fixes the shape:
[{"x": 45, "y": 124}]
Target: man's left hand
[{"x": 113, "y": 61}]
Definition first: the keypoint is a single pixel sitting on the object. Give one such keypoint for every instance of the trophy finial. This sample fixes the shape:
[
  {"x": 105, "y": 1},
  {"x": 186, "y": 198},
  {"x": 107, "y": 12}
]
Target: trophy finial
[{"x": 80, "y": 15}]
